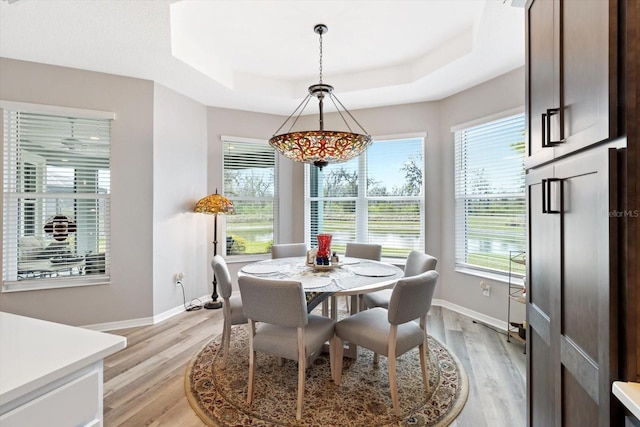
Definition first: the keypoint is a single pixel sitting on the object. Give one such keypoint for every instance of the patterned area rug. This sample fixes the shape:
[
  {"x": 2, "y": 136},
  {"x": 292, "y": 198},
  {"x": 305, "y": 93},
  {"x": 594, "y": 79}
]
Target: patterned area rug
[{"x": 218, "y": 395}]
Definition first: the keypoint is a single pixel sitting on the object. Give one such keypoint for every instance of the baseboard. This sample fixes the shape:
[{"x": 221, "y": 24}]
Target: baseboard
[
  {"x": 475, "y": 315},
  {"x": 143, "y": 321}
]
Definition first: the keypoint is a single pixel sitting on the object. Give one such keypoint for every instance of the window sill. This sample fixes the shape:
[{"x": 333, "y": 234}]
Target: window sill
[
  {"x": 36, "y": 285},
  {"x": 243, "y": 259},
  {"x": 496, "y": 277}
]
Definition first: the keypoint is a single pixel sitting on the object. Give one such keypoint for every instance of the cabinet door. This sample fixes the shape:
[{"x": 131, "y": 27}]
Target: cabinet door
[
  {"x": 543, "y": 272},
  {"x": 571, "y": 76},
  {"x": 542, "y": 76},
  {"x": 572, "y": 337},
  {"x": 588, "y": 337},
  {"x": 588, "y": 65}
]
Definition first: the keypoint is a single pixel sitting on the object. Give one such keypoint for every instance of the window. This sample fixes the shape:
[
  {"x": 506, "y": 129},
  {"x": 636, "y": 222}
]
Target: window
[
  {"x": 56, "y": 197},
  {"x": 250, "y": 183},
  {"x": 377, "y": 197},
  {"x": 490, "y": 194}
]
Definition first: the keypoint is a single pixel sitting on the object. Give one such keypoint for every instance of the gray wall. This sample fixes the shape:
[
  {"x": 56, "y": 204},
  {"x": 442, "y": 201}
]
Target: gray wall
[
  {"x": 130, "y": 294},
  {"x": 179, "y": 181},
  {"x": 159, "y": 171},
  {"x": 496, "y": 96},
  {"x": 167, "y": 153}
]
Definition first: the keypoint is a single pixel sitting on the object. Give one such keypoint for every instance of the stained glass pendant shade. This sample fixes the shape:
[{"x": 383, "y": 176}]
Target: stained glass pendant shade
[{"x": 321, "y": 147}]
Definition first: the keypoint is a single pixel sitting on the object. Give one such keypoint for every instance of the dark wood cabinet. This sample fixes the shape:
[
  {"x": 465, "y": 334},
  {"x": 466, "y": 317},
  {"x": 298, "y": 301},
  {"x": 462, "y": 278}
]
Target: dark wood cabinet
[
  {"x": 583, "y": 193},
  {"x": 572, "y": 272},
  {"x": 571, "y": 76}
]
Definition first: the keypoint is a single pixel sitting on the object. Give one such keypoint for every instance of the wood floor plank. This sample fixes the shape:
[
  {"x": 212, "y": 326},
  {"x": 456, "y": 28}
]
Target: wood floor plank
[{"x": 144, "y": 384}]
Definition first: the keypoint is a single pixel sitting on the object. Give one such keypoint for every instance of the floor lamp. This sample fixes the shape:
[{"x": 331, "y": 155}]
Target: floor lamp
[{"x": 214, "y": 204}]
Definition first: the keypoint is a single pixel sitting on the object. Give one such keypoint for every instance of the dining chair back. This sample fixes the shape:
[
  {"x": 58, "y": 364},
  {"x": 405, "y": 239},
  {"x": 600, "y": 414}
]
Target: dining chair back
[
  {"x": 417, "y": 263},
  {"x": 231, "y": 306},
  {"x": 285, "y": 329},
  {"x": 285, "y": 250},
  {"x": 364, "y": 250},
  {"x": 392, "y": 332}
]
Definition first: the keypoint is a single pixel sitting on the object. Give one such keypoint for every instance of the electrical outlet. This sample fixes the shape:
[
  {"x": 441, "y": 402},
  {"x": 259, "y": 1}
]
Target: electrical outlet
[
  {"x": 486, "y": 289},
  {"x": 179, "y": 277}
]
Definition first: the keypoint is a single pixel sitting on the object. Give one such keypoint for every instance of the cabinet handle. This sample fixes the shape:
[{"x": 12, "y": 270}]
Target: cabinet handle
[
  {"x": 546, "y": 195},
  {"x": 544, "y": 132},
  {"x": 546, "y": 128}
]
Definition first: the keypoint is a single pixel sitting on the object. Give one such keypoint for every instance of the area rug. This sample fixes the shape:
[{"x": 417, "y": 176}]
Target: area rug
[{"x": 218, "y": 394}]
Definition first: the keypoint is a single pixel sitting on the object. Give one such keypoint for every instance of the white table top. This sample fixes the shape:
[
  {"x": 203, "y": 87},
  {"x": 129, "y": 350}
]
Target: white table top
[
  {"x": 629, "y": 394},
  {"x": 35, "y": 352},
  {"x": 354, "y": 276}
]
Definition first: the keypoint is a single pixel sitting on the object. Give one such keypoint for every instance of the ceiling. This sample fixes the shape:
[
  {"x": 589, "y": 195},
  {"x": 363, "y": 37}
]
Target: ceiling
[{"x": 261, "y": 55}]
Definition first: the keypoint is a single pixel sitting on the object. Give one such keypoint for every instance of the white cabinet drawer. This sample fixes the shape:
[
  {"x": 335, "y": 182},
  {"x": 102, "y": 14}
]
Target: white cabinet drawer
[{"x": 76, "y": 403}]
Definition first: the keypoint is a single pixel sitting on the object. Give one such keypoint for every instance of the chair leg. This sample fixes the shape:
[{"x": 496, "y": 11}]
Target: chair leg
[
  {"x": 226, "y": 337},
  {"x": 393, "y": 385},
  {"x": 376, "y": 359},
  {"x": 302, "y": 367},
  {"x": 252, "y": 362},
  {"x": 338, "y": 354},
  {"x": 424, "y": 354},
  {"x": 424, "y": 366},
  {"x": 333, "y": 345}
]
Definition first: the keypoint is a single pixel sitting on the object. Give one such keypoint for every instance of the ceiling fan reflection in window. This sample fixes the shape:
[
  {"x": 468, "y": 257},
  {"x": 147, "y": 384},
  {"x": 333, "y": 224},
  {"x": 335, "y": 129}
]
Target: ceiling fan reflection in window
[{"x": 73, "y": 143}]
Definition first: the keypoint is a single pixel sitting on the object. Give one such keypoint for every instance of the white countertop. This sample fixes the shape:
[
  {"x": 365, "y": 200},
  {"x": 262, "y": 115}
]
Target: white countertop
[
  {"x": 35, "y": 352},
  {"x": 629, "y": 394}
]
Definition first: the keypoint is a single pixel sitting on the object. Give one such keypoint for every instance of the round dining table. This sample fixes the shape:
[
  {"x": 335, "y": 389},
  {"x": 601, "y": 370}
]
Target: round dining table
[{"x": 351, "y": 276}]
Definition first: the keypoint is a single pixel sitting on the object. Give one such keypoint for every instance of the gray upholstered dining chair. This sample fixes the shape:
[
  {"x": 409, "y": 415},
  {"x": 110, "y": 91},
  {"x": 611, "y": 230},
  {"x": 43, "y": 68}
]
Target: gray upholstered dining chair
[
  {"x": 417, "y": 263},
  {"x": 364, "y": 250},
  {"x": 285, "y": 250},
  {"x": 285, "y": 329},
  {"x": 231, "y": 306},
  {"x": 392, "y": 332}
]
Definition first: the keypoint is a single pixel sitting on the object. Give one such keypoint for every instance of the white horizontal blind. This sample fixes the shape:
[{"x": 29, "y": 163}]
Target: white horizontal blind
[
  {"x": 250, "y": 183},
  {"x": 377, "y": 197},
  {"x": 56, "y": 199},
  {"x": 490, "y": 194}
]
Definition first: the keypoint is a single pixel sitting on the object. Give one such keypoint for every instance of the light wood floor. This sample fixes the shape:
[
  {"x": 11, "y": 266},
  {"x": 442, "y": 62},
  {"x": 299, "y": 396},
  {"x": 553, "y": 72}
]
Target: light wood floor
[{"x": 144, "y": 383}]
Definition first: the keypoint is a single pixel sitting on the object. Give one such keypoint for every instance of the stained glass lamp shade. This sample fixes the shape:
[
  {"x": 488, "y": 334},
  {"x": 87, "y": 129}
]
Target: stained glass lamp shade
[{"x": 214, "y": 204}]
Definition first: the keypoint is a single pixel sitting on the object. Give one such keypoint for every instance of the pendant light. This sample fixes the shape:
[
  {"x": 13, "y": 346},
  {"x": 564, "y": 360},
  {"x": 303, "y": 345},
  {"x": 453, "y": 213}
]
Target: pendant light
[{"x": 321, "y": 146}]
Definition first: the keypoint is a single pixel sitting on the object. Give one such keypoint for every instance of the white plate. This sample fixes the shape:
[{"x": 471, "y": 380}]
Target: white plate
[
  {"x": 373, "y": 271},
  {"x": 260, "y": 269}
]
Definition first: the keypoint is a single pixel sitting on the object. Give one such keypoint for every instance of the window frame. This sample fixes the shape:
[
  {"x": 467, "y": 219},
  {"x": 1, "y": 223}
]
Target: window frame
[
  {"x": 11, "y": 188},
  {"x": 460, "y": 204},
  {"x": 361, "y": 200}
]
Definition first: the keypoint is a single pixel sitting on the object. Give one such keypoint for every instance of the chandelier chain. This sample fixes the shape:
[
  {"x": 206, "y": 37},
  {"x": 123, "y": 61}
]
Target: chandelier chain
[{"x": 320, "y": 57}]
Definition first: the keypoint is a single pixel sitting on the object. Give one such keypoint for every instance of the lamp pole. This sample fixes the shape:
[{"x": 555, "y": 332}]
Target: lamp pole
[{"x": 214, "y": 303}]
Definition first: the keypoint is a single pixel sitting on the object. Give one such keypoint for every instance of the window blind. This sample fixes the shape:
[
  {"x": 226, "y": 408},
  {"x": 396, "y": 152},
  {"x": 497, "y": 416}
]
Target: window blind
[
  {"x": 377, "y": 197},
  {"x": 250, "y": 183},
  {"x": 56, "y": 199},
  {"x": 490, "y": 194}
]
